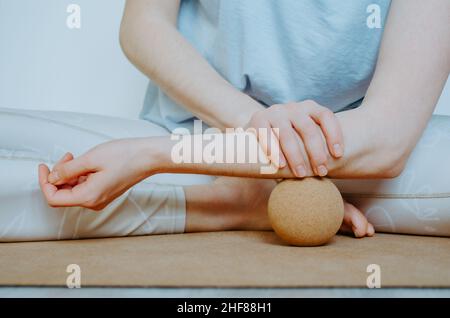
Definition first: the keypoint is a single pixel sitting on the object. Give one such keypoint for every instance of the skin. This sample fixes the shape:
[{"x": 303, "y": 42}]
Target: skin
[
  {"x": 412, "y": 67},
  {"x": 92, "y": 181}
]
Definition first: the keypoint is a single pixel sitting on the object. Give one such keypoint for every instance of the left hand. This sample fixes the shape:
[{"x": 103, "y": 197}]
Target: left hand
[
  {"x": 97, "y": 177},
  {"x": 304, "y": 125}
]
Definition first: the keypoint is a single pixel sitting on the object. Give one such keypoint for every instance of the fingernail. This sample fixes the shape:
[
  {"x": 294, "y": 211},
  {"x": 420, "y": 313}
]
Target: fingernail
[
  {"x": 301, "y": 171},
  {"x": 322, "y": 170},
  {"x": 337, "y": 150},
  {"x": 53, "y": 177}
]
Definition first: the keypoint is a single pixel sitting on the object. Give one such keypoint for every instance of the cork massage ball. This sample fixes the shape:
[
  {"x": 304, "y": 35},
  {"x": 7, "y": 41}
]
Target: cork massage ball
[{"x": 306, "y": 212}]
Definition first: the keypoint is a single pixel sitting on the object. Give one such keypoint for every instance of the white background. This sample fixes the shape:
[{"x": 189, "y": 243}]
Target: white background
[{"x": 45, "y": 65}]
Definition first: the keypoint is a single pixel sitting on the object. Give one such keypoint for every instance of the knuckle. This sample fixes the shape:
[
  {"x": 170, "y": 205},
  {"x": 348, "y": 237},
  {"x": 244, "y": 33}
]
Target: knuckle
[
  {"x": 88, "y": 204},
  {"x": 94, "y": 206},
  {"x": 92, "y": 201},
  {"x": 275, "y": 106},
  {"x": 292, "y": 105},
  {"x": 326, "y": 113},
  {"x": 309, "y": 129},
  {"x": 60, "y": 171},
  {"x": 277, "y": 109},
  {"x": 91, "y": 205},
  {"x": 309, "y": 103},
  {"x": 85, "y": 162},
  {"x": 257, "y": 117},
  {"x": 320, "y": 157}
]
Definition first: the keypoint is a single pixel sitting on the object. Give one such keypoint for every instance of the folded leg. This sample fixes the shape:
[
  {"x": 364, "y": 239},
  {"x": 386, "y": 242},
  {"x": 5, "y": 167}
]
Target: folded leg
[
  {"x": 417, "y": 201},
  {"x": 154, "y": 206}
]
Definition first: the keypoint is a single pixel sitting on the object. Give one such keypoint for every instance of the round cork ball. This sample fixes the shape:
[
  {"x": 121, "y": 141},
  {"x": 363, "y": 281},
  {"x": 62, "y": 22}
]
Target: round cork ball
[{"x": 306, "y": 212}]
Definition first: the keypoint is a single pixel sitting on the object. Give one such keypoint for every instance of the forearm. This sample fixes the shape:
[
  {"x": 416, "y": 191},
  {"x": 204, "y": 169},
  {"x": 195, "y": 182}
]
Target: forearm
[
  {"x": 153, "y": 44},
  {"x": 412, "y": 68},
  {"x": 375, "y": 147},
  {"x": 361, "y": 160},
  {"x": 159, "y": 157},
  {"x": 370, "y": 148}
]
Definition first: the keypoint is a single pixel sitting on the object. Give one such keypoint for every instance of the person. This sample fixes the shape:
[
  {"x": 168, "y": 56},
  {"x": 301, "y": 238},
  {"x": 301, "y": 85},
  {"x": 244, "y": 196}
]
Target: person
[{"x": 349, "y": 100}]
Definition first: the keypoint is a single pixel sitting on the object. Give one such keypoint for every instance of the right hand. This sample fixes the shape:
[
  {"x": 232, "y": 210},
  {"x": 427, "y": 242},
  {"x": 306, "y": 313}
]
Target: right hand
[
  {"x": 303, "y": 127},
  {"x": 97, "y": 177}
]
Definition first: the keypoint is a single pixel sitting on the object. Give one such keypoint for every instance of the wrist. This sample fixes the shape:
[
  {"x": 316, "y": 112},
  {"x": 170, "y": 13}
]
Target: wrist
[
  {"x": 239, "y": 110},
  {"x": 155, "y": 155},
  {"x": 250, "y": 107}
]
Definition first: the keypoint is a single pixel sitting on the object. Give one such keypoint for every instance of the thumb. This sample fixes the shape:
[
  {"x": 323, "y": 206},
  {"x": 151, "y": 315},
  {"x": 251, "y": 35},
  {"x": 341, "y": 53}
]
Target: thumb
[{"x": 69, "y": 170}]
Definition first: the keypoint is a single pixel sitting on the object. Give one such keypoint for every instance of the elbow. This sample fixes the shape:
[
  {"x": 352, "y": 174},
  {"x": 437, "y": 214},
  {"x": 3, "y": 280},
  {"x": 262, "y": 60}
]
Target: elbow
[
  {"x": 124, "y": 38},
  {"x": 392, "y": 169},
  {"x": 391, "y": 162},
  {"x": 133, "y": 45},
  {"x": 129, "y": 33}
]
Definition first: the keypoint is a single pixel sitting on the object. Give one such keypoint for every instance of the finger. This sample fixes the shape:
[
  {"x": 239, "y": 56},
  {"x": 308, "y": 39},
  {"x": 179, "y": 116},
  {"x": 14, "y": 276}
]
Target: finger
[
  {"x": 67, "y": 157},
  {"x": 355, "y": 219},
  {"x": 67, "y": 171},
  {"x": 63, "y": 198},
  {"x": 276, "y": 154},
  {"x": 331, "y": 129},
  {"x": 268, "y": 141},
  {"x": 75, "y": 181},
  {"x": 47, "y": 188},
  {"x": 313, "y": 139},
  {"x": 43, "y": 172},
  {"x": 291, "y": 149},
  {"x": 80, "y": 195}
]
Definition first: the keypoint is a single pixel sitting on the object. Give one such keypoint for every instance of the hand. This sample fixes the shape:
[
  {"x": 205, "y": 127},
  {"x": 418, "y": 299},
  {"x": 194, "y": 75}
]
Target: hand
[
  {"x": 97, "y": 177},
  {"x": 305, "y": 125}
]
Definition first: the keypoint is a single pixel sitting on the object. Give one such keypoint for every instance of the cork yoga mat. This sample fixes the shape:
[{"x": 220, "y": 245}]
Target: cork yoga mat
[{"x": 228, "y": 259}]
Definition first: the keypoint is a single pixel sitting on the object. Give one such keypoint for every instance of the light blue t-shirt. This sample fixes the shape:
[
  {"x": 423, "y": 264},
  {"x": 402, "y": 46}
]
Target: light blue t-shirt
[{"x": 279, "y": 51}]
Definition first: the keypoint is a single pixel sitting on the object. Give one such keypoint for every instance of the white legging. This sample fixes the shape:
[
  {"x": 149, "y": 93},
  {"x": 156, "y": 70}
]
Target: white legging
[
  {"x": 157, "y": 204},
  {"x": 154, "y": 206}
]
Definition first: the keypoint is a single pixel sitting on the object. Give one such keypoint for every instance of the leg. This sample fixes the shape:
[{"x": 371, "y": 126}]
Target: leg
[
  {"x": 228, "y": 204},
  {"x": 28, "y": 137},
  {"x": 153, "y": 206},
  {"x": 241, "y": 204},
  {"x": 418, "y": 201}
]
